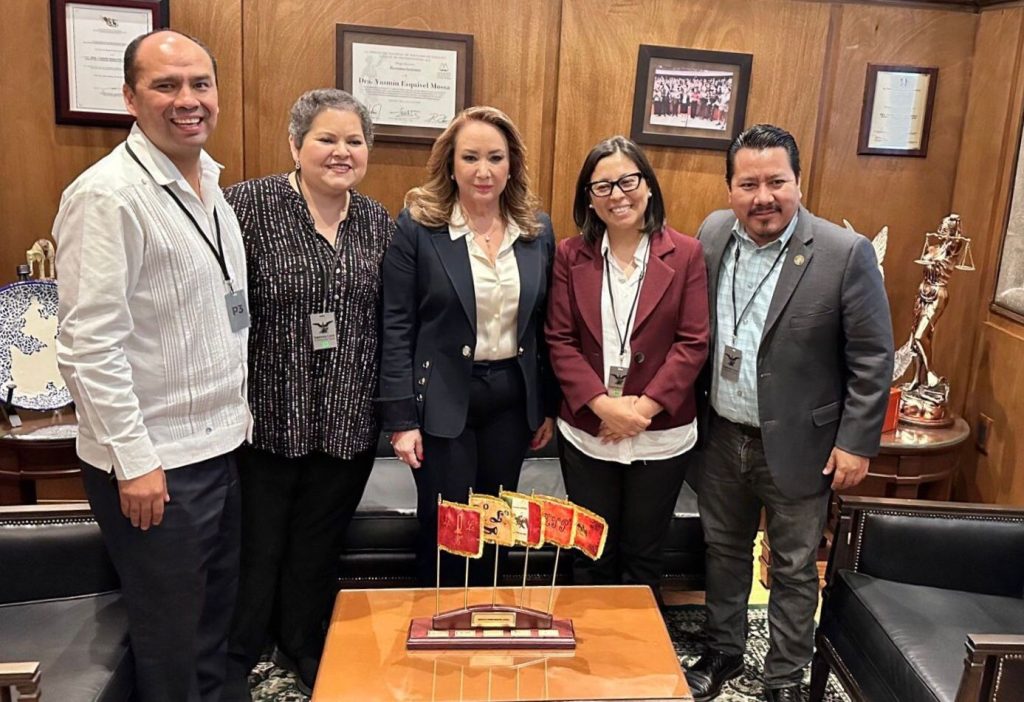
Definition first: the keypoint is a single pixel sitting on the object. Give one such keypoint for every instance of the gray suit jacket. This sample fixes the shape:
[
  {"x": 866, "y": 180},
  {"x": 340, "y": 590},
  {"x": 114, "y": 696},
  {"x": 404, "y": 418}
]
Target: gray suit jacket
[{"x": 825, "y": 362}]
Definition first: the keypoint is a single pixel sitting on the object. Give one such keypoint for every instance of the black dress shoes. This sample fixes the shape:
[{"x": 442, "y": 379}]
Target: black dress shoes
[
  {"x": 713, "y": 670},
  {"x": 304, "y": 669},
  {"x": 790, "y": 693}
]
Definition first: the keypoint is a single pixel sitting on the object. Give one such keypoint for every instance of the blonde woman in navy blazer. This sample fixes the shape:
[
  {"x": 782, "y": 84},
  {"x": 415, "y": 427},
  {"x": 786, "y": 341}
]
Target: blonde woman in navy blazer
[{"x": 464, "y": 386}]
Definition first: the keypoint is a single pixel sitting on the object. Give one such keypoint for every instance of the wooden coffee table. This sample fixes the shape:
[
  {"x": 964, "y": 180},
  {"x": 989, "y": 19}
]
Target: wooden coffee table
[{"x": 623, "y": 651}]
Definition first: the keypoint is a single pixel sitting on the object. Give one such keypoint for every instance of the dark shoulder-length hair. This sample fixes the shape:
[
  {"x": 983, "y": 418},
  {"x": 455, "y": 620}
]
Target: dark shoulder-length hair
[
  {"x": 590, "y": 225},
  {"x": 431, "y": 204}
]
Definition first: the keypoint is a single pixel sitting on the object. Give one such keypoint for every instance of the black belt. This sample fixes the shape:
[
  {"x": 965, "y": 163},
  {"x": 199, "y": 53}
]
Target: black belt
[
  {"x": 485, "y": 367},
  {"x": 745, "y": 429}
]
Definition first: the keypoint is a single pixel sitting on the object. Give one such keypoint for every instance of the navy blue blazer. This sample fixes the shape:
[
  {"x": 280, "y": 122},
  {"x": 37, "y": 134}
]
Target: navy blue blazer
[{"x": 429, "y": 334}]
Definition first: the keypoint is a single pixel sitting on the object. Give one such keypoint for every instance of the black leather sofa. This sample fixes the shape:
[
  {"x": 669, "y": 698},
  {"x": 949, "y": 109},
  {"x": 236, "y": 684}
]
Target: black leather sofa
[
  {"x": 379, "y": 546},
  {"x": 924, "y": 602},
  {"x": 61, "y": 615}
]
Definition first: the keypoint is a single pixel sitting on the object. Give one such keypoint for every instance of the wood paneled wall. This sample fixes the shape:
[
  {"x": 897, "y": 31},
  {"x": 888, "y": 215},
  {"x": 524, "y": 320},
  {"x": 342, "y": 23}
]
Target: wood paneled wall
[
  {"x": 993, "y": 346},
  {"x": 515, "y": 68},
  {"x": 598, "y": 72},
  {"x": 564, "y": 70},
  {"x": 910, "y": 195},
  {"x": 39, "y": 158}
]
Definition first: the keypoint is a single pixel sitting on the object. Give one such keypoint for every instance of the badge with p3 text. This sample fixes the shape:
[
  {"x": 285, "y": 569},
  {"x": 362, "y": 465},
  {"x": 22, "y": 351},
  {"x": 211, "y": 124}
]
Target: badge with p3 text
[{"x": 238, "y": 310}]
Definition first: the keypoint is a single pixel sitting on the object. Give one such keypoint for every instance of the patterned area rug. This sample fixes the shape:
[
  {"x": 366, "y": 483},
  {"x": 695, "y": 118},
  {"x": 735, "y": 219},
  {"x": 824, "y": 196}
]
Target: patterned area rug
[{"x": 685, "y": 626}]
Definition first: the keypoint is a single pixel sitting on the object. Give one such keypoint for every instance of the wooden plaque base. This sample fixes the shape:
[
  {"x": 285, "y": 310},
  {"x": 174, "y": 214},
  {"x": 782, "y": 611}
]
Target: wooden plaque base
[{"x": 453, "y": 630}]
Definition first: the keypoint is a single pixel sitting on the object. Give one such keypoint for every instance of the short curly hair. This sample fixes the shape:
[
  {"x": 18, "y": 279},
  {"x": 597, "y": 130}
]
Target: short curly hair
[{"x": 313, "y": 102}]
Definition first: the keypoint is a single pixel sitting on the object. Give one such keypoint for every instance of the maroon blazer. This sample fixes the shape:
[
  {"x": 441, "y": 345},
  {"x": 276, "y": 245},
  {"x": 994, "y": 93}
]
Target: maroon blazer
[{"x": 669, "y": 340}]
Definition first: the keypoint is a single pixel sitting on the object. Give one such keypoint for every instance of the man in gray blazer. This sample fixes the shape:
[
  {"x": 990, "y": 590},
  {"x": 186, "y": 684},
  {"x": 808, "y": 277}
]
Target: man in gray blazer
[{"x": 796, "y": 385}]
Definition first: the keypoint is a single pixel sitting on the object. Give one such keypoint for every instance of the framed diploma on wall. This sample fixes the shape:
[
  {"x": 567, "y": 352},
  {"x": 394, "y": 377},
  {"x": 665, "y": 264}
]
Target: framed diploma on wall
[
  {"x": 897, "y": 112},
  {"x": 412, "y": 82},
  {"x": 89, "y": 38}
]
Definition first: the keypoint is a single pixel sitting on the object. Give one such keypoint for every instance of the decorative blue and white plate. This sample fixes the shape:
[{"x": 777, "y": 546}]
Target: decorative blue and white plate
[{"x": 28, "y": 346}]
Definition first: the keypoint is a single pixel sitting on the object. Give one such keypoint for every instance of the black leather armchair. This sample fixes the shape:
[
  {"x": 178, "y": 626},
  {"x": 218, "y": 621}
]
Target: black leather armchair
[
  {"x": 63, "y": 627},
  {"x": 910, "y": 584}
]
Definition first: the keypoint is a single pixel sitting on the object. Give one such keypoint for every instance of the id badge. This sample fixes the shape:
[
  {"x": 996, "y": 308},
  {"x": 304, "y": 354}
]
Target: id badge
[
  {"x": 325, "y": 331},
  {"x": 731, "y": 360},
  {"x": 617, "y": 380},
  {"x": 238, "y": 310}
]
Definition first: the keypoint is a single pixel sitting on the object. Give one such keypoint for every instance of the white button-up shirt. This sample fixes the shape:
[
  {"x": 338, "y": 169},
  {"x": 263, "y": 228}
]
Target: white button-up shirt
[
  {"x": 496, "y": 288},
  {"x": 145, "y": 343},
  {"x": 622, "y": 289}
]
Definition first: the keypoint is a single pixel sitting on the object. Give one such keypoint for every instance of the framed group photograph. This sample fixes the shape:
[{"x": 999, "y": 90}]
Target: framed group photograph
[
  {"x": 89, "y": 38},
  {"x": 897, "y": 113},
  {"x": 412, "y": 82},
  {"x": 689, "y": 97}
]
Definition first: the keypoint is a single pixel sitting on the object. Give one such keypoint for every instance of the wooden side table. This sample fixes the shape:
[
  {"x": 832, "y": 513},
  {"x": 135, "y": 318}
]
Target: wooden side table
[
  {"x": 913, "y": 462},
  {"x": 41, "y": 449}
]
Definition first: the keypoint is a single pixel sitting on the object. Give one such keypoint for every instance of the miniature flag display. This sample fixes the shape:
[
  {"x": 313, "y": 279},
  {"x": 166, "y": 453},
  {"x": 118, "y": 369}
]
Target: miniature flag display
[
  {"x": 591, "y": 532},
  {"x": 460, "y": 529},
  {"x": 498, "y": 528},
  {"x": 559, "y": 521},
  {"x": 526, "y": 512}
]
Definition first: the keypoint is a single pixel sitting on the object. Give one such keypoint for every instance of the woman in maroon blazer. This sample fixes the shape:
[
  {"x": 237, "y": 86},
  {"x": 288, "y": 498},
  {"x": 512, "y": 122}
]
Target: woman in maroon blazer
[{"x": 627, "y": 332}]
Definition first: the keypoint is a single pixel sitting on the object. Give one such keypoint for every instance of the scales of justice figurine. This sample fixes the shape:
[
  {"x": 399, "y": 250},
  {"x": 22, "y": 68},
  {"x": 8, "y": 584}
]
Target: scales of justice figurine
[
  {"x": 925, "y": 399},
  {"x": 506, "y": 520}
]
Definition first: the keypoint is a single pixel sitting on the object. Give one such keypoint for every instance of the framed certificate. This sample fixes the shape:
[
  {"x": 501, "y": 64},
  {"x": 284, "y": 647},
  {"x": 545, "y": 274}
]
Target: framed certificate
[
  {"x": 89, "y": 39},
  {"x": 412, "y": 82},
  {"x": 897, "y": 111}
]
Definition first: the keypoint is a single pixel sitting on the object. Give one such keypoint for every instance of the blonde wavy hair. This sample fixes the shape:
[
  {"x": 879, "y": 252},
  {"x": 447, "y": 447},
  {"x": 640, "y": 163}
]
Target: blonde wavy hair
[{"x": 431, "y": 204}]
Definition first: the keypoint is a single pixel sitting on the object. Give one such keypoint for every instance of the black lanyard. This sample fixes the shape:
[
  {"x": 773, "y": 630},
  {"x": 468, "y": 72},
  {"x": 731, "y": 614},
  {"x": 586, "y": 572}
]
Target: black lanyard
[
  {"x": 736, "y": 264},
  {"x": 636, "y": 296},
  {"x": 218, "y": 252}
]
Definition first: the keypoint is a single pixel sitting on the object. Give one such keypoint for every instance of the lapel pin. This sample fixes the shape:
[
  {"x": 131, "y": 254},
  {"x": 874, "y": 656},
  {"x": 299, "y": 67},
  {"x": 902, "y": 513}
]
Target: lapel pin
[{"x": 799, "y": 259}]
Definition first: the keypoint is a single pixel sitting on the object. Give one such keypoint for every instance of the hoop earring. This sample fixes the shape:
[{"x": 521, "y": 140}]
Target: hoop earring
[{"x": 298, "y": 166}]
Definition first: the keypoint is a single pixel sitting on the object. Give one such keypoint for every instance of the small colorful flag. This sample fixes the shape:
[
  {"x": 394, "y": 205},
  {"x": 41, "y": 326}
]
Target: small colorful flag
[
  {"x": 591, "y": 532},
  {"x": 460, "y": 529},
  {"x": 526, "y": 512},
  {"x": 559, "y": 521},
  {"x": 498, "y": 527}
]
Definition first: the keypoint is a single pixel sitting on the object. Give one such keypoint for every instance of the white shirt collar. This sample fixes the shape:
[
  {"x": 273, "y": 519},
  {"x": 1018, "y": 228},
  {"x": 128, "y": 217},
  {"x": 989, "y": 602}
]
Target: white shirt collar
[
  {"x": 787, "y": 233},
  {"x": 163, "y": 170},
  {"x": 638, "y": 256},
  {"x": 458, "y": 226}
]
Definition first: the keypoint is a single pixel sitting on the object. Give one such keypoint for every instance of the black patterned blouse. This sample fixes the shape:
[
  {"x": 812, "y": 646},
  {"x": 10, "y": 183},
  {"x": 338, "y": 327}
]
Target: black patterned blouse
[{"x": 304, "y": 400}]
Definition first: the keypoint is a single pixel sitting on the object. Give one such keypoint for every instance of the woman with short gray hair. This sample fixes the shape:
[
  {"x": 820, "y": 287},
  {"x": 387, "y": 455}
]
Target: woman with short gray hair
[{"x": 314, "y": 246}]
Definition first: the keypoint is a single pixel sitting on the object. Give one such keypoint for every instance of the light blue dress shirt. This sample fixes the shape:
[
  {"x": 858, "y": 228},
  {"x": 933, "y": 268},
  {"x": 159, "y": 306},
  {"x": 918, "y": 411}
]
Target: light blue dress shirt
[{"x": 736, "y": 400}]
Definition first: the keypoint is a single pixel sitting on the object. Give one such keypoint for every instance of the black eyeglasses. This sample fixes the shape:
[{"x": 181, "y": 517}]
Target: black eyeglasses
[{"x": 627, "y": 183}]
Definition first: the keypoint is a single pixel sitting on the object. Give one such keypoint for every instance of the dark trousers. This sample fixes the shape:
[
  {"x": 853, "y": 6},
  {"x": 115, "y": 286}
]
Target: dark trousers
[
  {"x": 294, "y": 515},
  {"x": 178, "y": 579},
  {"x": 486, "y": 456},
  {"x": 734, "y": 486},
  {"x": 637, "y": 500}
]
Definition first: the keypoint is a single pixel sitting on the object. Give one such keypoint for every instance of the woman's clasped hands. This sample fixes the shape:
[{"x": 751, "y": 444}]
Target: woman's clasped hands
[{"x": 623, "y": 417}]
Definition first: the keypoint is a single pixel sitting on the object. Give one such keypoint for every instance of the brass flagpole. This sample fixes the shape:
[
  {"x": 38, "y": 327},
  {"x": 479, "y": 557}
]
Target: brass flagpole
[
  {"x": 494, "y": 586},
  {"x": 526, "y": 562},
  {"x": 437, "y": 581},
  {"x": 526, "y": 558},
  {"x": 465, "y": 584},
  {"x": 551, "y": 594}
]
